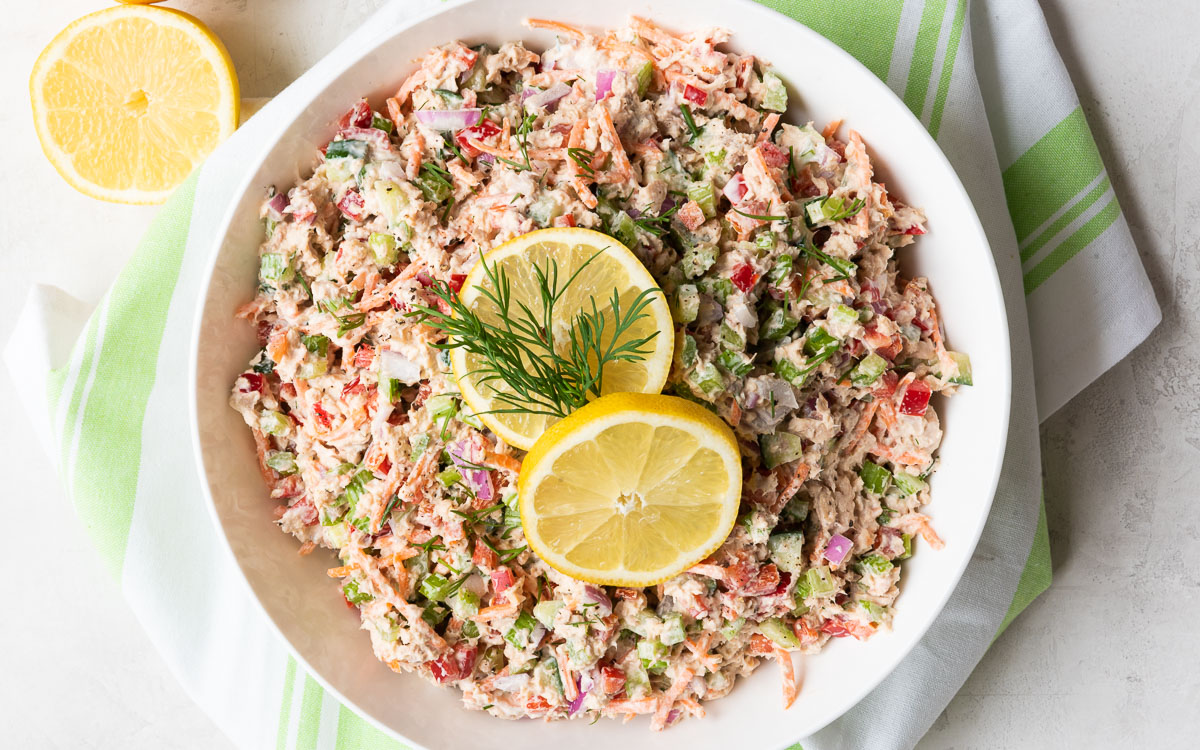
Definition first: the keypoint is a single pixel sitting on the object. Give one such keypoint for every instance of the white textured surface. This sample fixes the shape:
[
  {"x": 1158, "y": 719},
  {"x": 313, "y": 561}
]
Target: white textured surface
[{"x": 1106, "y": 656}]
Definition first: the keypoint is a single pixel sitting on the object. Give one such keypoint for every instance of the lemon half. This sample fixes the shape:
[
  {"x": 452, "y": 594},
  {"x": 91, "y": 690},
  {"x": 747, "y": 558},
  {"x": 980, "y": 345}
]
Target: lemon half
[
  {"x": 128, "y": 100},
  {"x": 631, "y": 490},
  {"x": 615, "y": 268}
]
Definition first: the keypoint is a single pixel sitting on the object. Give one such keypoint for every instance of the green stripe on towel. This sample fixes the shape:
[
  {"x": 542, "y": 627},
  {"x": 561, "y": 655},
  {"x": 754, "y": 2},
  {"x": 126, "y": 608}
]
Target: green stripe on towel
[
  {"x": 1072, "y": 245},
  {"x": 924, "y": 53},
  {"x": 865, "y": 30},
  {"x": 943, "y": 90}
]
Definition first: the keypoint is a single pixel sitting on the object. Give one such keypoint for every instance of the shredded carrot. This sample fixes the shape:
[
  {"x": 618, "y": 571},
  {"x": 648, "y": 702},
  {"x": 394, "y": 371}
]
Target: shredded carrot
[
  {"x": 635, "y": 706},
  {"x": 789, "y": 676},
  {"x": 306, "y": 548},
  {"x": 501, "y": 461},
  {"x": 416, "y": 145},
  {"x": 542, "y": 23},
  {"x": 343, "y": 571},
  {"x": 620, "y": 160},
  {"x": 410, "y": 85},
  {"x": 667, "y": 701},
  {"x": 864, "y": 422},
  {"x": 831, "y": 129},
  {"x": 767, "y": 126},
  {"x": 700, "y": 647}
]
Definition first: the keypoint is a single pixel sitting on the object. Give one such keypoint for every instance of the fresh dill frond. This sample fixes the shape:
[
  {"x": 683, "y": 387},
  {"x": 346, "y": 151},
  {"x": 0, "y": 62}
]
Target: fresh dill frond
[
  {"x": 694, "y": 132},
  {"x": 524, "y": 363},
  {"x": 583, "y": 157},
  {"x": 522, "y": 135},
  {"x": 656, "y": 225}
]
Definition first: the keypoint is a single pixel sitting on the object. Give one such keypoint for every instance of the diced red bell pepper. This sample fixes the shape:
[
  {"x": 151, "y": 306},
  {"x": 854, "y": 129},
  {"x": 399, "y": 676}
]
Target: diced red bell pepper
[
  {"x": 354, "y": 386},
  {"x": 484, "y": 557},
  {"x": 696, "y": 96},
  {"x": 352, "y": 205},
  {"x": 612, "y": 680},
  {"x": 322, "y": 416},
  {"x": 805, "y": 632},
  {"x": 456, "y": 281},
  {"x": 691, "y": 215},
  {"x": 566, "y": 220},
  {"x": 735, "y": 190},
  {"x": 425, "y": 279},
  {"x": 364, "y": 356},
  {"x": 502, "y": 579},
  {"x": 744, "y": 277},
  {"x": 836, "y": 627},
  {"x": 481, "y": 131},
  {"x": 760, "y": 645},
  {"x": 773, "y": 155},
  {"x": 914, "y": 230},
  {"x": 887, "y": 385},
  {"x": 455, "y": 665},
  {"x": 537, "y": 703},
  {"x": 359, "y": 116},
  {"x": 305, "y": 510},
  {"x": 254, "y": 382},
  {"x": 916, "y": 399}
]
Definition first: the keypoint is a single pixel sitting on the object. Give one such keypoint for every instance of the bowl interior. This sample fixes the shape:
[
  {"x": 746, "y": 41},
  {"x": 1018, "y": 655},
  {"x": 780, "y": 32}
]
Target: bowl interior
[{"x": 826, "y": 83}]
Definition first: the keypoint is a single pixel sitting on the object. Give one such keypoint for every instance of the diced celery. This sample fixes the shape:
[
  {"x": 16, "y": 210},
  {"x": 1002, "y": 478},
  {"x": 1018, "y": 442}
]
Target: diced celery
[
  {"x": 824, "y": 209},
  {"x": 781, "y": 270},
  {"x": 907, "y": 539},
  {"x": 644, "y": 76},
  {"x": 795, "y": 511},
  {"x": 518, "y": 635},
  {"x": 433, "y": 587},
  {"x": 652, "y": 654},
  {"x": 778, "y": 324},
  {"x": 470, "y": 629},
  {"x": 876, "y": 563},
  {"x": 689, "y": 353},
  {"x": 705, "y": 197},
  {"x": 433, "y": 186},
  {"x": 687, "y": 303},
  {"x": 645, "y": 622},
  {"x": 283, "y": 462},
  {"x": 779, "y": 633},
  {"x": 787, "y": 370},
  {"x": 346, "y": 150},
  {"x": 780, "y": 448},
  {"x": 787, "y": 551},
  {"x": 464, "y": 603},
  {"x": 765, "y": 241},
  {"x": 842, "y": 315},
  {"x": 311, "y": 368},
  {"x": 707, "y": 378},
  {"x": 316, "y": 343},
  {"x": 868, "y": 370},
  {"x": 963, "y": 364},
  {"x": 637, "y": 682},
  {"x": 353, "y": 595},
  {"x": 731, "y": 338},
  {"x": 275, "y": 268},
  {"x": 875, "y": 478},
  {"x": 274, "y": 423},
  {"x": 819, "y": 342},
  {"x": 908, "y": 483},
  {"x": 381, "y": 123},
  {"x": 623, "y": 228},
  {"x": 873, "y": 610},
  {"x": 697, "y": 260},
  {"x": 545, "y": 612},
  {"x": 471, "y": 419},
  {"x": 732, "y": 628},
  {"x": 442, "y": 405},
  {"x": 820, "y": 581},
  {"x": 774, "y": 95},
  {"x": 392, "y": 200},
  {"x": 673, "y": 631},
  {"x": 434, "y": 614},
  {"x": 449, "y": 477},
  {"x": 735, "y": 362},
  {"x": 383, "y": 249},
  {"x": 419, "y": 443},
  {"x": 720, "y": 289},
  {"x": 336, "y": 533},
  {"x": 389, "y": 389}
]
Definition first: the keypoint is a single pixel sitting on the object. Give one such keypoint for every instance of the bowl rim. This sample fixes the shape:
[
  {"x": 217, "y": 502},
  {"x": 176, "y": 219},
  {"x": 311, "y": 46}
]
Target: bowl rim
[{"x": 736, "y": 8}]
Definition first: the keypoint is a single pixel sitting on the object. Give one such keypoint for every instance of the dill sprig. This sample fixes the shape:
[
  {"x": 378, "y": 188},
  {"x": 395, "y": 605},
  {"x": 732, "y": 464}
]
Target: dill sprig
[
  {"x": 847, "y": 212},
  {"x": 522, "y": 134},
  {"x": 845, "y": 268},
  {"x": 540, "y": 374},
  {"x": 583, "y": 157},
  {"x": 694, "y": 132},
  {"x": 656, "y": 225}
]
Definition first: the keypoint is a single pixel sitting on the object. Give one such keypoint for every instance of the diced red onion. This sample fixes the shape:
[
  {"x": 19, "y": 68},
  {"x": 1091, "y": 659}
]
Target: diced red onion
[
  {"x": 549, "y": 96},
  {"x": 837, "y": 548},
  {"x": 528, "y": 92},
  {"x": 582, "y": 693},
  {"x": 448, "y": 119},
  {"x": 398, "y": 367},
  {"x": 478, "y": 480},
  {"x": 742, "y": 314},
  {"x": 710, "y": 311},
  {"x": 604, "y": 82},
  {"x": 486, "y": 158},
  {"x": 752, "y": 399},
  {"x": 374, "y": 136},
  {"x": 476, "y": 584},
  {"x": 668, "y": 203},
  {"x": 276, "y": 206},
  {"x": 595, "y": 595},
  {"x": 633, "y": 212}
]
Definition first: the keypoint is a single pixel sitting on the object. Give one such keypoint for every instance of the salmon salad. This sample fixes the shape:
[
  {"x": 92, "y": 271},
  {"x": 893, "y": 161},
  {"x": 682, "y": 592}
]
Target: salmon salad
[{"x": 779, "y": 255}]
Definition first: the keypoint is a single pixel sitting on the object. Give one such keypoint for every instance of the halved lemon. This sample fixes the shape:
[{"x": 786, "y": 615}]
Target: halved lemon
[
  {"x": 631, "y": 490},
  {"x": 128, "y": 100},
  {"x": 614, "y": 267}
]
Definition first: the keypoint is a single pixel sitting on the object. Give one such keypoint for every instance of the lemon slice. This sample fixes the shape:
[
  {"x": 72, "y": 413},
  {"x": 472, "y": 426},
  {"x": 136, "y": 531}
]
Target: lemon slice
[
  {"x": 615, "y": 268},
  {"x": 128, "y": 100},
  {"x": 631, "y": 490}
]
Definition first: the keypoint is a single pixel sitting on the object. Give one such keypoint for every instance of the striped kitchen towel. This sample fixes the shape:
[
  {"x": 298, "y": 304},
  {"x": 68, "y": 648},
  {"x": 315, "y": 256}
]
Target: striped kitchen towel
[{"x": 983, "y": 77}]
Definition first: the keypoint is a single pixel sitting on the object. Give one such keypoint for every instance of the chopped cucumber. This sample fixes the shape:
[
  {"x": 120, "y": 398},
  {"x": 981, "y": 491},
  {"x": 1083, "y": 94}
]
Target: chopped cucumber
[
  {"x": 521, "y": 630},
  {"x": 274, "y": 423},
  {"x": 283, "y": 462},
  {"x": 623, "y": 228},
  {"x": 275, "y": 268},
  {"x": 673, "y": 631},
  {"x": 875, "y": 478},
  {"x": 820, "y": 581},
  {"x": 735, "y": 362},
  {"x": 545, "y": 611},
  {"x": 963, "y": 363},
  {"x": 697, "y": 260},
  {"x": 779, "y": 633},
  {"x": 731, "y": 338},
  {"x": 876, "y": 563},
  {"x": 705, "y": 197},
  {"x": 383, "y": 249},
  {"x": 868, "y": 370},
  {"x": 787, "y": 551},
  {"x": 392, "y": 200},
  {"x": 687, "y": 303},
  {"x": 774, "y": 97},
  {"x": 909, "y": 484},
  {"x": 780, "y": 448}
]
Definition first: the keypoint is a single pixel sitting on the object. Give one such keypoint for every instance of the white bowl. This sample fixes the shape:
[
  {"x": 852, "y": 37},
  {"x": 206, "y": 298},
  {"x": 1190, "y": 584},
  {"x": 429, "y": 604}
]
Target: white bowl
[{"x": 826, "y": 84}]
